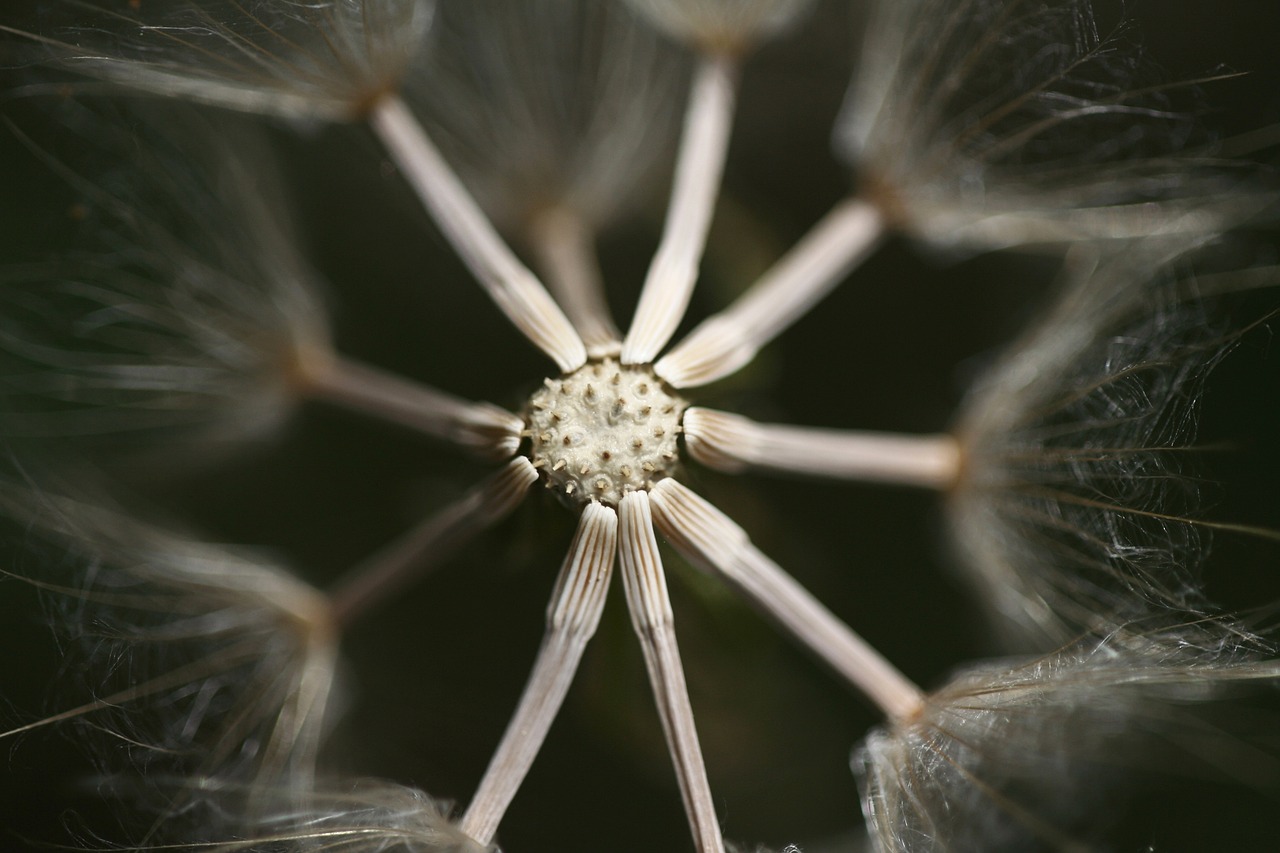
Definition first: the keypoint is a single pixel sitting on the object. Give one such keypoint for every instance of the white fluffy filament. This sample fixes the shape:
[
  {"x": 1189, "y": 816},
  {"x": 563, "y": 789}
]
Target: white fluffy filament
[
  {"x": 572, "y": 617},
  {"x": 728, "y": 341},
  {"x": 703, "y": 147},
  {"x": 483, "y": 428},
  {"x": 515, "y": 290},
  {"x": 432, "y": 542},
  {"x": 646, "y": 588},
  {"x": 733, "y": 443},
  {"x": 708, "y": 538},
  {"x": 566, "y": 255}
]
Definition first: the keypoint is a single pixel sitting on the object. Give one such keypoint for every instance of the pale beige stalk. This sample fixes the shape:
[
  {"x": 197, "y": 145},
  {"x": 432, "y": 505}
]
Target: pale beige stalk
[
  {"x": 708, "y": 538},
  {"x": 733, "y": 443},
  {"x": 566, "y": 254},
  {"x": 431, "y": 543},
  {"x": 484, "y": 428},
  {"x": 646, "y": 588},
  {"x": 703, "y": 147},
  {"x": 572, "y": 617},
  {"x": 727, "y": 341},
  {"x": 508, "y": 282}
]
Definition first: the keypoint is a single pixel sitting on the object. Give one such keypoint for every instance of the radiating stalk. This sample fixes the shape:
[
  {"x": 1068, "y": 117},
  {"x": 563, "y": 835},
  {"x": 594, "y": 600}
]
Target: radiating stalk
[
  {"x": 396, "y": 566},
  {"x": 566, "y": 254},
  {"x": 703, "y": 147},
  {"x": 572, "y": 617},
  {"x": 708, "y": 538},
  {"x": 726, "y": 342},
  {"x": 508, "y": 282},
  {"x": 733, "y": 443},
  {"x": 481, "y": 427},
  {"x": 651, "y": 616}
]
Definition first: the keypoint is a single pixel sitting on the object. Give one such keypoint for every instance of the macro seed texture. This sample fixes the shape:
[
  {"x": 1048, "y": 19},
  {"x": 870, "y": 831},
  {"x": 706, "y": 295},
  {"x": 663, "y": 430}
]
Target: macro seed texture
[{"x": 604, "y": 430}]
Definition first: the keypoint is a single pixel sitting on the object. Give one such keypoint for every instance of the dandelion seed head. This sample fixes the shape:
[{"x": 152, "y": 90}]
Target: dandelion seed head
[
  {"x": 195, "y": 314},
  {"x": 603, "y": 431},
  {"x": 1031, "y": 755},
  {"x": 992, "y": 124},
  {"x": 549, "y": 105},
  {"x": 1076, "y": 504},
  {"x": 200, "y": 657},
  {"x": 975, "y": 123},
  {"x": 318, "y": 59}
]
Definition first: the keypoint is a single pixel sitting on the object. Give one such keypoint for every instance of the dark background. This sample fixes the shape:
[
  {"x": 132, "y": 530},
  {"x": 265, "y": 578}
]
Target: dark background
[{"x": 431, "y": 680}]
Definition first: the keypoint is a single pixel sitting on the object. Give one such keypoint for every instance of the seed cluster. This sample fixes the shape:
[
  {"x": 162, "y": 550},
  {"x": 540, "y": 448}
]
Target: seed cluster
[{"x": 604, "y": 430}]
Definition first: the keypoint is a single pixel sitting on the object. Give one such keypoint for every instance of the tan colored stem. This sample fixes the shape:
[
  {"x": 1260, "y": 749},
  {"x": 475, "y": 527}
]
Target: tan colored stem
[
  {"x": 403, "y": 561},
  {"x": 708, "y": 538},
  {"x": 651, "y": 616},
  {"x": 733, "y": 443},
  {"x": 508, "y": 282}
]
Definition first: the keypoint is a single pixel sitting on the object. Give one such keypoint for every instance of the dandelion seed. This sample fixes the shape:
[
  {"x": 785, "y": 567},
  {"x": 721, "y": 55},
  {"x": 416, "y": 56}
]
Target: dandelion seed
[
  {"x": 995, "y": 123},
  {"x": 316, "y": 60},
  {"x": 548, "y": 109},
  {"x": 181, "y": 628},
  {"x": 367, "y": 816},
  {"x": 1075, "y": 507},
  {"x": 1018, "y": 756},
  {"x": 197, "y": 316},
  {"x": 193, "y": 313}
]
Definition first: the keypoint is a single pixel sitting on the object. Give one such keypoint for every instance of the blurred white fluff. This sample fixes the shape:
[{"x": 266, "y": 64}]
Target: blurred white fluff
[
  {"x": 722, "y": 26},
  {"x": 197, "y": 658},
  {"x": 1000, "y": 123},
  {"x": 550, "y": 105},
  {"x": 311, "y": 59},
  {"x": 364, "y": 816},
  {"x": 1029, "y": 756},
  {"x": 190, "y": 310},
  {"x": 1075, "y": 505}
]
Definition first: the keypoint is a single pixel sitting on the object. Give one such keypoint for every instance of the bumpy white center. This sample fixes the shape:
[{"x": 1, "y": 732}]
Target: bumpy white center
[{"x": 604, "y": 430}]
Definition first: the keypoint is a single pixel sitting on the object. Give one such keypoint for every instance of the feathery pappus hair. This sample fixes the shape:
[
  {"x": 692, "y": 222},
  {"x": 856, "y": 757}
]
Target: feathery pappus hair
[
  {"x": 983, "y": 124},
  {"x": 184, "y": 309},
  {"x": 549, "y": 108},
  {"x": 729, "y": 26},
  {"x": 190, "y": 658},
  {"x": 297, "y": 59},
  {"x": 1078, "y": 506},
  {"x": 1033, "y": 755}
]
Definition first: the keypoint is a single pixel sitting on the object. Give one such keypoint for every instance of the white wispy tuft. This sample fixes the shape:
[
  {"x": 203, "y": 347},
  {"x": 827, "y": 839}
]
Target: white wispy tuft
[
  {"x": 1000, "y": 123},
  {"x": 1075, "y": 507},
  {"x": 190, "y": 310},
  {"x": 354, "y": 816},
  {"x": 1032, "y": 755},
  {"x": 555, "y": 105},
  {"x": 196, "y": 657},
  {"x": 309, "y": 59},
  {"x": 722, "y": 26}
]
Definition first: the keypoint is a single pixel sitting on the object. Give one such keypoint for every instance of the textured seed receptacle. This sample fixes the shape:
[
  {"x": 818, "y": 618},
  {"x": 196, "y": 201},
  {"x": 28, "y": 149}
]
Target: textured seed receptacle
[{"x": 604, "y": 430}]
